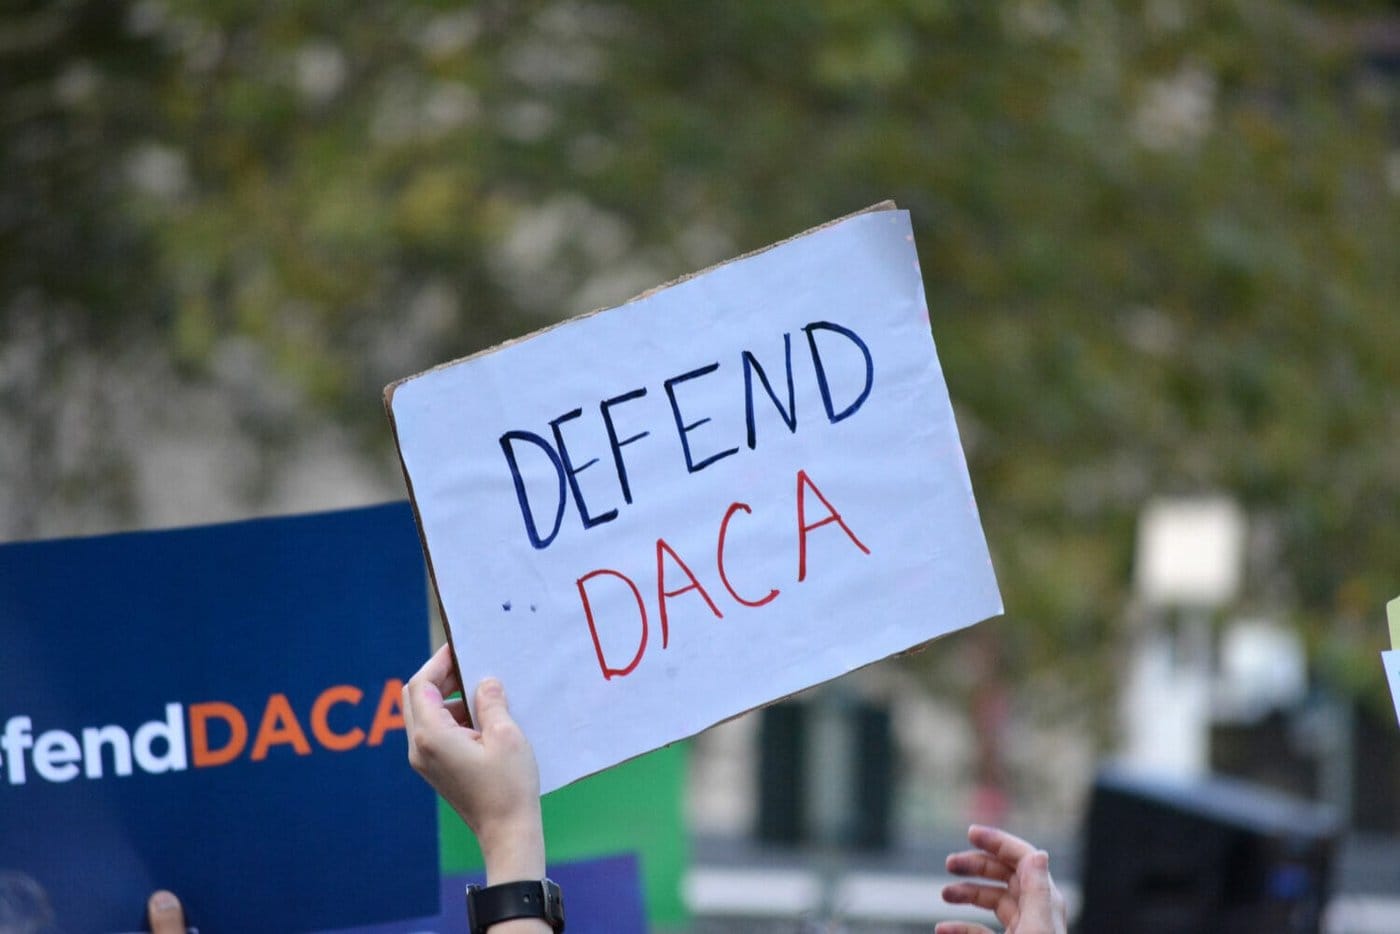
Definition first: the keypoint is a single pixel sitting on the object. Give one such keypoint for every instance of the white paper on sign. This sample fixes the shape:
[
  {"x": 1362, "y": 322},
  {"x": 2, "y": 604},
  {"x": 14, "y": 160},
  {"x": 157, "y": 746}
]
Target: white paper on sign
[
  {"x": 651, "y": 519},
  {"x": 1391, "y": 660}
]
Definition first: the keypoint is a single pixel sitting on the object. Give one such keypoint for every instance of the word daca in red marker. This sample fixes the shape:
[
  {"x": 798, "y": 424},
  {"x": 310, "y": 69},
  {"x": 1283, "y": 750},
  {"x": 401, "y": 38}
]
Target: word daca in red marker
[
  {"x": 664, "y": 551},
  {"x": 164, "y": 745},
  {"x": 563, "y": 461}
]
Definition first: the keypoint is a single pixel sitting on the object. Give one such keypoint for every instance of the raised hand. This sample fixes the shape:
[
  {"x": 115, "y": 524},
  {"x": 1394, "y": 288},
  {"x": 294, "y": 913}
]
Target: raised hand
[{"x": 1014, "y": 883}]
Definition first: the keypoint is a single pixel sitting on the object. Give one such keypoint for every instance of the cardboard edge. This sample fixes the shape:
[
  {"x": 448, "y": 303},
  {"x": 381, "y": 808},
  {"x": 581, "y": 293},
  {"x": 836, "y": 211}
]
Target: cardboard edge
[
  {"x": 879, "y": 206},
  {"x": 423, "y": 543},
  {"x": 902, "y": 653}
]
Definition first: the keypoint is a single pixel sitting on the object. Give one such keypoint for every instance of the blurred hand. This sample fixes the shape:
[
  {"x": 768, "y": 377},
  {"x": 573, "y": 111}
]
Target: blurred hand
[
  {"x": 488, "y": 773},
  {"x": 165, "y": 914},
  {"x": 1020, "y": 891}
]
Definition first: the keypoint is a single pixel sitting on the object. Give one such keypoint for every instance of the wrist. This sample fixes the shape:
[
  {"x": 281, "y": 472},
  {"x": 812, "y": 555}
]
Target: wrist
[
  {"x": 517, "y": 907},
  {"x": 513, "y": 851}
]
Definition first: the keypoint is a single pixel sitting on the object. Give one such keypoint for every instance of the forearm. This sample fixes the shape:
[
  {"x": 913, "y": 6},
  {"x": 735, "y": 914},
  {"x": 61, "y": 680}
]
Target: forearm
[
  {"x": 521, "y": 926},
  {"x": 512, "y": 854}
]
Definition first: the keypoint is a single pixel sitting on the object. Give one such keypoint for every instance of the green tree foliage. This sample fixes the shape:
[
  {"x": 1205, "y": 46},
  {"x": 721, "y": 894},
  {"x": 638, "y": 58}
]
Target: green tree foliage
[{"x": 1160, "y": 239}]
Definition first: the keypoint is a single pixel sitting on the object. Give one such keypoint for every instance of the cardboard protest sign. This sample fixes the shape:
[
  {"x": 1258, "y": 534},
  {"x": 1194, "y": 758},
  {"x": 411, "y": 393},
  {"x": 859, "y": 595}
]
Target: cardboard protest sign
[
  {"x": 653, "y": 518},
  {"x": 216, "y": 711},
  {"x": 1391, "y": 658}
]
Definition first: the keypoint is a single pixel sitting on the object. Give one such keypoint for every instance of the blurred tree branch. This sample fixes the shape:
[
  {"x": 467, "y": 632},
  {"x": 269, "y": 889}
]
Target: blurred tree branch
[{"x": 1159, "y": 238}]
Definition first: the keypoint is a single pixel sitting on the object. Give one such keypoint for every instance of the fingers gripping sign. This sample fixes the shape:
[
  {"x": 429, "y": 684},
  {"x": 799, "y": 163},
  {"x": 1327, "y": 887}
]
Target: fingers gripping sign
[
  {"x": 487, "y": 772},
  {"x": 1018, "y": 887}
]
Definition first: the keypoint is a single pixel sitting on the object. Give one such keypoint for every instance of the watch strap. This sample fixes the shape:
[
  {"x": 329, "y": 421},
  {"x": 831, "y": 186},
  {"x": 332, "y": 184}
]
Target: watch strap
[{"x": 530, "y": 898}]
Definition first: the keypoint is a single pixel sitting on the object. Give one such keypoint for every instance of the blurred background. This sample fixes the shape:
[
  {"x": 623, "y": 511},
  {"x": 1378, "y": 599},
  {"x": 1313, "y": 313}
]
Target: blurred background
[{"x": 1161, "y": 245}]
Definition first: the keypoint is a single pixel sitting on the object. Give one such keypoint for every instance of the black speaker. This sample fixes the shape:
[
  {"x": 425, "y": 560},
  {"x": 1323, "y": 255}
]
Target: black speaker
[{"x": 1180, "y": 857}]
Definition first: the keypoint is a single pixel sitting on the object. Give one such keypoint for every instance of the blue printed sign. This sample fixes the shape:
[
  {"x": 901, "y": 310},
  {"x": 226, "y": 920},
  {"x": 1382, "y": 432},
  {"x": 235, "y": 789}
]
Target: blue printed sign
[{"x": 216, "y": 711}]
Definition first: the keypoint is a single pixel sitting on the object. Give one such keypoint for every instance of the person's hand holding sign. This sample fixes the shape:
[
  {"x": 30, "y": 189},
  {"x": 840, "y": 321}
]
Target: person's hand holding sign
[
  {"x": 1020, "y": 891},
  {"x": 488, "y": 773}
]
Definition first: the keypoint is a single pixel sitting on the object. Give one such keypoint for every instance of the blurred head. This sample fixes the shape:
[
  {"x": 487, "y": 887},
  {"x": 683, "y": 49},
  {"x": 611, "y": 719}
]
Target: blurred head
[{"x": 24, "y": 906}]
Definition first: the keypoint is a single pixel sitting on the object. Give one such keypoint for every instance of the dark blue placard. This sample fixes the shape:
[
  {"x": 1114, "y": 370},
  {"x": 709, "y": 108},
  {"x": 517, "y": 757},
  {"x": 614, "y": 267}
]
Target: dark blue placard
[
  {"x": 110, "y": 631},
  {"x": 601, "y": 896}
]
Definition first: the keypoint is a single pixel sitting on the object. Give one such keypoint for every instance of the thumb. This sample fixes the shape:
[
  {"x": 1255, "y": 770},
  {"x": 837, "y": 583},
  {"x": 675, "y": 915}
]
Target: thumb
[
  {"x": 491, "y": 709},
  {"x": 1036, "y": 890},
  {"x": 165, "y": 914}
]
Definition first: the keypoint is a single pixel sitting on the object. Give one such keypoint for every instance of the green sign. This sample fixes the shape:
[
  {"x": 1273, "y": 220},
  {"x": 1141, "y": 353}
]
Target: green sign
[{"x": 636, "y": 807}]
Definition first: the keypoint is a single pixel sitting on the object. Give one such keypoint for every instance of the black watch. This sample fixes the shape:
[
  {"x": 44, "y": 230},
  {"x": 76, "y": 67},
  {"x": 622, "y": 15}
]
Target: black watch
[{"x": 493, "y": 904}]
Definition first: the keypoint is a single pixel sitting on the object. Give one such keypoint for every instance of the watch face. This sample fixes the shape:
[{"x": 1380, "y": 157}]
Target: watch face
[
  {"x": 472, "y": 925},
  {"x": 554, "y": 904}
]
